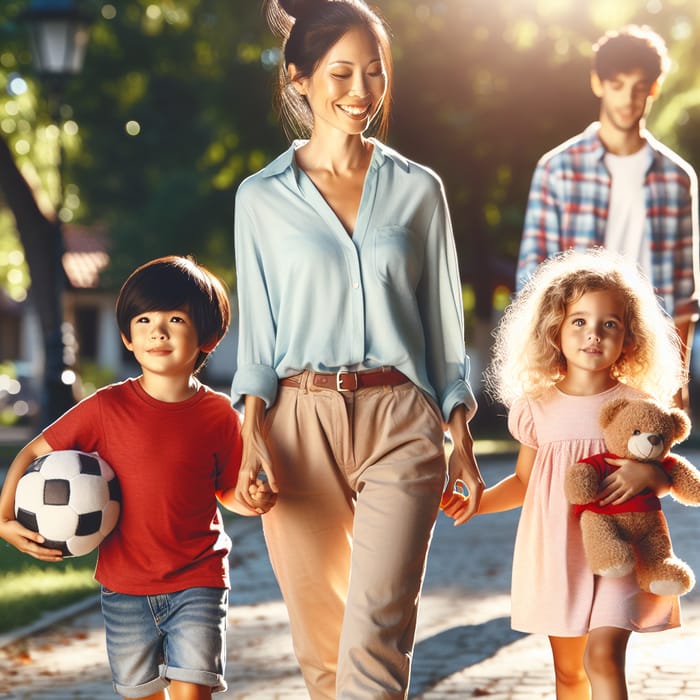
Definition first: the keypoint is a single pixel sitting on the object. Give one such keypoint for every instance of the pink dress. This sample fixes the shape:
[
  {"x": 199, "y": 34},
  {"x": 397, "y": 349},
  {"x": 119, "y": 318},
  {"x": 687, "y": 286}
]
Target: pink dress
[{"x": 554, "y": 592}]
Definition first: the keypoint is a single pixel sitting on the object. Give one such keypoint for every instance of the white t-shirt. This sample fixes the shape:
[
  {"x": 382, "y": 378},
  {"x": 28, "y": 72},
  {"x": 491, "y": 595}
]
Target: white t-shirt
[{"x": 624, "y": 232}]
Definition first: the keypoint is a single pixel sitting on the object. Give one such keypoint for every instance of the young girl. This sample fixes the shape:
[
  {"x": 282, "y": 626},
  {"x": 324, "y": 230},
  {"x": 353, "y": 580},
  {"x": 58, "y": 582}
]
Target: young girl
[{"x": 587, "y": 328}]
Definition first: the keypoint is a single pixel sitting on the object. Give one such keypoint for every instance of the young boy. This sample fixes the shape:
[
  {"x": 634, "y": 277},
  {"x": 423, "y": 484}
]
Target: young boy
[{"x": 175, "y": 446}]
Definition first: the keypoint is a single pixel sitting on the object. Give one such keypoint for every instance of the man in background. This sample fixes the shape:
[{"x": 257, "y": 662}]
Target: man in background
[{"x": 615, "y": 185}]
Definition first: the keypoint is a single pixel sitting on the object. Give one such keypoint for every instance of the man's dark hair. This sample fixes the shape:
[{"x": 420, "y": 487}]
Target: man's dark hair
[{"x": 628, "y": 49}]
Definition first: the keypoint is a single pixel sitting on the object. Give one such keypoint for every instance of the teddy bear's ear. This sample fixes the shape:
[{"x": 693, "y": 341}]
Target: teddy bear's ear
[
  {"x": 609, "y": 410},
  {"x": 681, "y": 424}
]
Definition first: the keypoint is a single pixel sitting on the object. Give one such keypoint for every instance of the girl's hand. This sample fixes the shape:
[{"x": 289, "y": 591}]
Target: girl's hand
[
  {"x": 453, "y": 503},
  {"x": 631, "y": 479},
  {"x": 27, "y": 541}
]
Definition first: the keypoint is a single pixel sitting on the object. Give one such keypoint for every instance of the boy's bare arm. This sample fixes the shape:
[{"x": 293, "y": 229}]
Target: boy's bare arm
[{"x": 260, "y": 493}]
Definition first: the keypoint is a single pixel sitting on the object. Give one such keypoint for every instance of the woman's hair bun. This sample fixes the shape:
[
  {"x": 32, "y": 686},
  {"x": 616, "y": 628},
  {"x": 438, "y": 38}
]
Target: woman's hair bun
[{"x": 298, "y": 8}]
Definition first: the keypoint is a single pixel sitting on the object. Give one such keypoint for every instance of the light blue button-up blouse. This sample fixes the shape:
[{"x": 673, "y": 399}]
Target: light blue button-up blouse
[{"x": 313, "y": 297}]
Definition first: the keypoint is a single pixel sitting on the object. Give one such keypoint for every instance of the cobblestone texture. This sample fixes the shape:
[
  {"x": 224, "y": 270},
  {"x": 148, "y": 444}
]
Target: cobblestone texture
[{"x": 465, "y": 647}]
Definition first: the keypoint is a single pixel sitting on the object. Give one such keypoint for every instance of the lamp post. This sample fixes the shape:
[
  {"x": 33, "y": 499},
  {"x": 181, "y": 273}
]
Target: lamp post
[{"x": 59, "y": 34}]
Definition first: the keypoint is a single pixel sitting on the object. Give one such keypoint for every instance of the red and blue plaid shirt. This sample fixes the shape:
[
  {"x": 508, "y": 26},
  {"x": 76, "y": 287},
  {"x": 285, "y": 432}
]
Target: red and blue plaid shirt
[{"x": 568, "y": 208}]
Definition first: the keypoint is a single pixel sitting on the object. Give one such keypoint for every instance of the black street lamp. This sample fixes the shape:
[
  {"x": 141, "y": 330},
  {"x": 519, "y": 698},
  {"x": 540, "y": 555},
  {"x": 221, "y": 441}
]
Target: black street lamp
[{"x": 59, "y": 34}]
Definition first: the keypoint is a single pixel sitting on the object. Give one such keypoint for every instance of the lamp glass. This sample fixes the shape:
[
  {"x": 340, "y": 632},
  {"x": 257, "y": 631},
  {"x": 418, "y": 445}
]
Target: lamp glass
[{"x": 59, "y": 45}]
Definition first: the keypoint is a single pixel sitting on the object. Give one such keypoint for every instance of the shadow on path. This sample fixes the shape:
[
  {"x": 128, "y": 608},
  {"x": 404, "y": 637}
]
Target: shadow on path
[{"x": 454, "y": 649}]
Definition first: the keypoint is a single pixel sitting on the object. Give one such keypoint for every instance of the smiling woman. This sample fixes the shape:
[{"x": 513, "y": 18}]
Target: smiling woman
[
  {"x": 314, "y": 41},
  {"x": 349, "y": 78},
  {"x": 351, "y": 356}
]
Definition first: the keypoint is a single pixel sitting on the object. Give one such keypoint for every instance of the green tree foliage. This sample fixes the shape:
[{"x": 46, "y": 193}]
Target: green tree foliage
[
  {"x": 173, "y": 109},
  {"x": 173, "y": 105},
  {"x": 485, "y": 87}
]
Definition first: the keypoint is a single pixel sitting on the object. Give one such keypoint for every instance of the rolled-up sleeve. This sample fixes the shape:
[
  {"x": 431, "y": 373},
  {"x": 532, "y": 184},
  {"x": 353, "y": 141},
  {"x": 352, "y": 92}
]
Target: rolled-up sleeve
[
  {"x": 255, "y": 373},
  {"x": 440, "y": 303}
]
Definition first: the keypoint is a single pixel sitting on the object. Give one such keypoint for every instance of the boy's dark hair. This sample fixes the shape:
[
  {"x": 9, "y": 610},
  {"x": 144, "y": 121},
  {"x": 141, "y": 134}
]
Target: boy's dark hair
[
  {"x": 630, "y": 48},
  {"x": 175, "y": 282}
]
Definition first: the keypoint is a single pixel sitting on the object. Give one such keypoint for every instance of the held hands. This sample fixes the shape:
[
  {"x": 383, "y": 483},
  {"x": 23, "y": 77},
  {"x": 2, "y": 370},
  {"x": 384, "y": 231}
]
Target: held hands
[
  {"x": 261, "y": 494},
  {"x": 463, "y": 494},
  {"x": 256, "y": 488},
  {"x": 27, "y": 541},
  {"x": 456, "y": 500},
  {"x": 462, "y": 497}
]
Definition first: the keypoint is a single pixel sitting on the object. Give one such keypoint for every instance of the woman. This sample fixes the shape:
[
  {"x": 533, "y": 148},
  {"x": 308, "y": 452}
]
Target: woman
[{"x": 351, "y": 356}]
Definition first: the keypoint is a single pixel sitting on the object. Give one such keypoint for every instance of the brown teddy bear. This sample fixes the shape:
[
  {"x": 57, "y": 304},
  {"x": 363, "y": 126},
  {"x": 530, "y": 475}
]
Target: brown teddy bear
[{"x": 635, "y": 535}]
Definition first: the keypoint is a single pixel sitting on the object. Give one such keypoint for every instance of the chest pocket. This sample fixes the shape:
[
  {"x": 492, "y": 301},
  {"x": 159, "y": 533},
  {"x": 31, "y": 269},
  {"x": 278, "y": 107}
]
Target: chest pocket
[{"x": 398, "y": 256}]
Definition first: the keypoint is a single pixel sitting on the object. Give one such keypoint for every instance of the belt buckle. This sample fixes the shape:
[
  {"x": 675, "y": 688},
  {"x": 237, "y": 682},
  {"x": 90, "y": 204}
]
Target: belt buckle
[{"x": 340, "y": 378}]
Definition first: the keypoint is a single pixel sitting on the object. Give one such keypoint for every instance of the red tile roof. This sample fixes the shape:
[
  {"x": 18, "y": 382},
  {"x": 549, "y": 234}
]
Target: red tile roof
[{"x": 85, "y": 255}]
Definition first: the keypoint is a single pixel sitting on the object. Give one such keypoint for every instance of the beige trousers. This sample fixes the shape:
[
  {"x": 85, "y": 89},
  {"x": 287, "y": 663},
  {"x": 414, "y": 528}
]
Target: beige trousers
[{"x": 360, "y": 477}]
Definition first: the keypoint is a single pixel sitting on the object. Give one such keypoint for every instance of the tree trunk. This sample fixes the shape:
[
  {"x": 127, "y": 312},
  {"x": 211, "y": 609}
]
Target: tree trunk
[{"x": 42, "y": 241}]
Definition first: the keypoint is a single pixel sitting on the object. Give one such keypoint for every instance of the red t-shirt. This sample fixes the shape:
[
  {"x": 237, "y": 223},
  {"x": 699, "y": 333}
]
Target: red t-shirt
[
  {"x": 643, "y": 502},
  {"x": 170, "y": 459}
]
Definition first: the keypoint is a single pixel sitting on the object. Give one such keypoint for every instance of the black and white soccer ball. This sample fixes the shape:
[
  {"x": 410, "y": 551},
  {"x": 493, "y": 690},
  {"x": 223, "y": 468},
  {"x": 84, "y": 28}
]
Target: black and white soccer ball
[{"x": 71, "y": 498}]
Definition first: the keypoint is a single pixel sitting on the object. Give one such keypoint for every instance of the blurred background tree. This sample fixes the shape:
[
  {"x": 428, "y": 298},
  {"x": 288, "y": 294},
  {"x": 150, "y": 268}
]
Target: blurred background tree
[
  {"x": 173, "y": 108},
  {"x": 485, "y": 88}
]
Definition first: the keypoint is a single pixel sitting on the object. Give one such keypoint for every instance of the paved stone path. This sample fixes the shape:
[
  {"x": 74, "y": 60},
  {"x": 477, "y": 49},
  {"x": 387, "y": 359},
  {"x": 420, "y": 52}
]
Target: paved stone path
[{"x": 465, "y": 647}]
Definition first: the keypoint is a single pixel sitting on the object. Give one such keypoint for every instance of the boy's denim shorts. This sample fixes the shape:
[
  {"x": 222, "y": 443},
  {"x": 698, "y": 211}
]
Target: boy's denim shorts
[{"x": 155, "y": 639}]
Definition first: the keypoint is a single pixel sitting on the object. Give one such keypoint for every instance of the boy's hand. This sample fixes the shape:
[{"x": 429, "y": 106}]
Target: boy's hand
[
  {"x": 261, "y": 494},
  {"x": 27, "y": 541}
]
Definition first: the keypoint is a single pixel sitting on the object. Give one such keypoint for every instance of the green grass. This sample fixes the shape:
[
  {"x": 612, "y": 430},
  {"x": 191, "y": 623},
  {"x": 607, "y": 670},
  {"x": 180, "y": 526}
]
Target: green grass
[{"x": 29, "y": 588}]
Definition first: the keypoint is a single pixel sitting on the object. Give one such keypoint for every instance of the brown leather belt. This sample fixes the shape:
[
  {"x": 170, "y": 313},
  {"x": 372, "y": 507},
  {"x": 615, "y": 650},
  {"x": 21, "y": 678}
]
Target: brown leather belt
[{"x": 349, "y": 381}]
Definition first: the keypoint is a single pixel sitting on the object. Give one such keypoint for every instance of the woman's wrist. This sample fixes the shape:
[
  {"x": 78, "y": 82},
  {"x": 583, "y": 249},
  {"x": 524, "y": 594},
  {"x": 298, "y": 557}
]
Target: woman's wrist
[
  {"x": 459, "y": 425},
  {"x": 253, "y": 415}
]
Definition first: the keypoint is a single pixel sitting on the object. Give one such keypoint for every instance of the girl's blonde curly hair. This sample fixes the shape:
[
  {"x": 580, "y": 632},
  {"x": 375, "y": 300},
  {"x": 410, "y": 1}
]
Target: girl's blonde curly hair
[{"x": 526, "y": 354}]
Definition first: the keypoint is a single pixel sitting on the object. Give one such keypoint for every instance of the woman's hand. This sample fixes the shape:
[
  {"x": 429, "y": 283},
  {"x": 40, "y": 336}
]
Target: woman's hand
[
  {"x": 631, "y": 479},
  {"x": 253, "y": 489},
  {"x": 466, "y": 485}
]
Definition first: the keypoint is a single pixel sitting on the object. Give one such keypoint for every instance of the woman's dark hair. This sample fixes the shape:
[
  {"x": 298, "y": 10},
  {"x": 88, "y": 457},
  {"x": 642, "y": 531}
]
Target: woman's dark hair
[
  {"x": 175, "y": 282},
  {"x": 628, "y": 49},
  {"x": 309, "y": 29}
]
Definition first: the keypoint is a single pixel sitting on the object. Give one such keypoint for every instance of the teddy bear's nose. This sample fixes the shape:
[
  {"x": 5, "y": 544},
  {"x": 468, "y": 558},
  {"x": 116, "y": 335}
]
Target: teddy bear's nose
[{"x": 654, "y": 440}]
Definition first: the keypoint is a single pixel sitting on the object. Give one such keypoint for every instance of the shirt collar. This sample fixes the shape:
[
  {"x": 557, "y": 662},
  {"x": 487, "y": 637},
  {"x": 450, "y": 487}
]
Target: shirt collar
[
  {"x": 285, "y": 161},
  {"x": 597, "y": 149}
]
